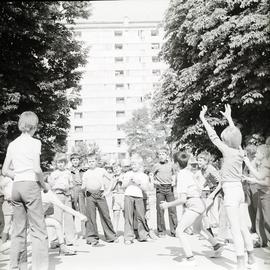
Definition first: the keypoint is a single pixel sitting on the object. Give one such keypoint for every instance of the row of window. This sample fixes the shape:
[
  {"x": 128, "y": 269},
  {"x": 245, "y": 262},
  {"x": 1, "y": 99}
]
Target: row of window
[
  {"x": 120, "y": 59},
  {"x": 121, "y": 72},
  {"x": 119, "y": 33},
  {"x": 120, "y": 46},
  {"x": 119, "y": 142}
]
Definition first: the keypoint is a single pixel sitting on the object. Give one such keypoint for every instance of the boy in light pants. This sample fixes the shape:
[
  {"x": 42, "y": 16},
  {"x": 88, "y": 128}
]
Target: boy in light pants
[{"x": 24, "y": 155}]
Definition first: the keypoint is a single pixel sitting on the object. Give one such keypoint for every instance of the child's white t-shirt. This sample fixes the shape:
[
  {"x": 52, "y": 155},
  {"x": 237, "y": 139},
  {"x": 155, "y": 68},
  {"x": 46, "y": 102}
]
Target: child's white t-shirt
[
  {"x": 23, "y": 151},
  {"x": 186, "y": 184}
]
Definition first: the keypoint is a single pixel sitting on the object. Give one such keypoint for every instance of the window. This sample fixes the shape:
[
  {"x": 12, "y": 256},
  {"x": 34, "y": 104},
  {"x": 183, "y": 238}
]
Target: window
[
  {"x": 78, "y": 128},
  {"x": 120, "y": 142},
  {"x": 118, "y": 46},
  {"x": 154, "y": 33},
  {"x": 155, "y": 59},
  {"x": 119, "y": 73},
  {"x": 119, "y": 86},
  {"x": 118, "y": 59},
  {"x": 120, "y": 113},
  {"x": 120, "y": 100},
  {"x": 154, "y": 46},
  {"x": 156, "y": 72},
  {"x": 78, "y": 115},
  {"x": 78, "y": 142},
  {"x": 118, "y": 33}
]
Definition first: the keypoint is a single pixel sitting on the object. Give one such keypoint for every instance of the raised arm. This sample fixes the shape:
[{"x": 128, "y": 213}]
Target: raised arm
[
  {"x": 228, "y": 115},
  {"x": 210, "y": 131}
]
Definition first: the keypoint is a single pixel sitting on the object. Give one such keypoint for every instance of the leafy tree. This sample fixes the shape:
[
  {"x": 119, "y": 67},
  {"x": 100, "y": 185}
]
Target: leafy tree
[
  {"x": 39, "y": 61},
  {"x": 145, "y": 135},
  {"x": 218, "y": 52}
]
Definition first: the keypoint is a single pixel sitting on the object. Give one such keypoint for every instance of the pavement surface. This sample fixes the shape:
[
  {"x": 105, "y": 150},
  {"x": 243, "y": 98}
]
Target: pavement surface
[{"x": 163, "y": 253}]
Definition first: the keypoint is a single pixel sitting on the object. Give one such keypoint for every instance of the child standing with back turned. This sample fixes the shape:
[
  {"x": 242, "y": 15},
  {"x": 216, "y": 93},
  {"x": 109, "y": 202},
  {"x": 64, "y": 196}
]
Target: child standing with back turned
[
  {"x": 231, "y": 176},
  {"x": 24, "y": 155}
]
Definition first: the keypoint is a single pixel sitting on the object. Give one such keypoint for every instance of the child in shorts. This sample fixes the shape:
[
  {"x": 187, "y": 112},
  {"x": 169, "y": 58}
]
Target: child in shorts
[
  {"x": 189, "y": 195},
  {"x": 231, "y": 177}
]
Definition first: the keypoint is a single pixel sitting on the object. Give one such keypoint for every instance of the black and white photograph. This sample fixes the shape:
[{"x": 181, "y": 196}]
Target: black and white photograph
[{"x": 135, "y": 135}]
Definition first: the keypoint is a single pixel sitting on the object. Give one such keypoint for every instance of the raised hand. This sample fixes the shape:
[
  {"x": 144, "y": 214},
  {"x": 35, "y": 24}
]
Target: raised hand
[
  {"x": 203, "y": 111},
  {"x": 227, "y": 113}
]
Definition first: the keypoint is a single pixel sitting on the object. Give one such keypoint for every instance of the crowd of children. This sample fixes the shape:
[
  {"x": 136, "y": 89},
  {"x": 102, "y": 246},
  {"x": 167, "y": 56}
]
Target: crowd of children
[{"x": 200, "y": 198}]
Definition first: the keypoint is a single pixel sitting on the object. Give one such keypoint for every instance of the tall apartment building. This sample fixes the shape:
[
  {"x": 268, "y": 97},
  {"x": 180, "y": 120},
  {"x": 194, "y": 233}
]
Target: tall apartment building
[{"x": 123, "y": 66}]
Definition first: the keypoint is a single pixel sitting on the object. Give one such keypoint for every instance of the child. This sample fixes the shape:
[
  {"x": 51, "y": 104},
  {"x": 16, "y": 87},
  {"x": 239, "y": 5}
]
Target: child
[
  {"x": 118, "y": 196},
  {"x": 93, "y": 182},
  {"x": 189, "y": 194},
  {"x": 24, "y": 155},
  {"x": 60, "y": 182},
  {"x": 77, "y": 172},
  {"x": 77, "y": 193},
  {"x": 261, "y": 177},
  {"x": 231, "y": 176},
  {"x": 163, "y": 178},
  {"x": 134, "y": 183}
]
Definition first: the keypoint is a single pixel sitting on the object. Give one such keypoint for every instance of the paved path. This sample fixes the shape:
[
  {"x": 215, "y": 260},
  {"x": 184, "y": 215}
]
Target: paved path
[{"x": 163, "y": 254}]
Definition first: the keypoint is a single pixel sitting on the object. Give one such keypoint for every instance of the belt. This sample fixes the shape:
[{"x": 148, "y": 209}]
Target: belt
[
  {"x": 88, "y": 193},
  {"x": 164, "y": 185}
]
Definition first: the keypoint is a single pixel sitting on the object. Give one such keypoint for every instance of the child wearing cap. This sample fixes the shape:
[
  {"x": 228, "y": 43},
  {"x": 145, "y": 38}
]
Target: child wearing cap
[{"x": 60, "y": 182}]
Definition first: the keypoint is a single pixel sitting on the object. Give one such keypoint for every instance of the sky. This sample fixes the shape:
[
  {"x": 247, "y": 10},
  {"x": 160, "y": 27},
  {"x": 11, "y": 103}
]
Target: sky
[{"x": 133, "y": 9}]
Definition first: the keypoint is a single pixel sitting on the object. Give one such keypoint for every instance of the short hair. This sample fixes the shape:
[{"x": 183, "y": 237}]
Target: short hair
[
  {"x": 205, "y": 155},
  {"x": 74, "y": 156},
  {"x": 28, "y": 121},
  {"x": 92, "y": 155},
  {"x": 267, "y": 141},
  {"x": 232, "y": 137},
  {"x": 60, "y": 157},
  {"x": 181, "y": 158}
]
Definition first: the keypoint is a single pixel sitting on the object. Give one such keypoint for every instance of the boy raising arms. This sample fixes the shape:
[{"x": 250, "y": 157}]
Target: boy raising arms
[{"x": 24, "y": 155}]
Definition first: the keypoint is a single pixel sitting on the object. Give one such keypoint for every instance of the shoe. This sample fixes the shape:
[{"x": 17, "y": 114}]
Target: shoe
[
  {"x": 54, "y": 245},
  {"x": 218, "y": 248},
  {"x": 161, "y": 235},
  {"x": 64, "y": 250},
  {"x": 256, "y": 244},
  {"x": 93, "y": 243},
  {"x": 128, "y": 242},
  {"x": 5, "y": 246},
  {"x": 172, "y": 234}
]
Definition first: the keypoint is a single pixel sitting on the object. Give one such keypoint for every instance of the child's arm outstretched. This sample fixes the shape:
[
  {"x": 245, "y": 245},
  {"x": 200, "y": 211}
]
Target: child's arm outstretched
[
  {"x": 180, "y": 201},
  {"x": 52, "y": 198}
]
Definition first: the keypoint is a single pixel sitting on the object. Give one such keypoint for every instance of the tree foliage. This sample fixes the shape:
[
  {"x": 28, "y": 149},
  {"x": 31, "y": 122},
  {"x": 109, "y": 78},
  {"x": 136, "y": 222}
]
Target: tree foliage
[
  {"x": 144, "y": 135},
  {"x": 218, "y": 52},
  {"x": 39, "y": 61}
]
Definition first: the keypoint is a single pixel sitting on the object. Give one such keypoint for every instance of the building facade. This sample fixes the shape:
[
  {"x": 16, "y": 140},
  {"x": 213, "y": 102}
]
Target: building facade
[{"x": 123, "y": 67}]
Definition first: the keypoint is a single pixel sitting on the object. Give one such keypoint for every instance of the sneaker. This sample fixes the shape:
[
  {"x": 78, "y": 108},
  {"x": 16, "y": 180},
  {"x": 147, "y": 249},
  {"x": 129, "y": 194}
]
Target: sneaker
[
  {"x": 161, "y": 235},
  {"x": 218, "y": 248},
  {"x": 54, "y": 245},
  {"x": 128, "y": 242},
  {"x": 65, "y": 251},
  {"x": 93, "y": 243}
]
